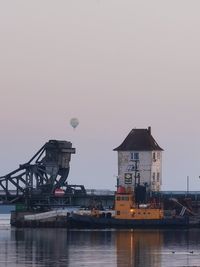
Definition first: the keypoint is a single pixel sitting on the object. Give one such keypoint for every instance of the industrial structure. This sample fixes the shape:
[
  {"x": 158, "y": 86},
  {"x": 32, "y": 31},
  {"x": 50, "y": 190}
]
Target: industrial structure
[
  {"x": 42, "y": 182},
  {"x": 40, "y": 186},
  {"x": 140, "y": 161},
  {"x": 43, "y": 179}
]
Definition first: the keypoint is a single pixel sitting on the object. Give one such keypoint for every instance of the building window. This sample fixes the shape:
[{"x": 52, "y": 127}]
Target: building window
[
  {"x": 158, "y": 155},
  {"x": 153, "y": 176},
  {"x": 125, "y": 198},
  {"x": 158, "y": 176},
  {"x": 154, "y": 156},
  {"x": 134, "y": 156}
]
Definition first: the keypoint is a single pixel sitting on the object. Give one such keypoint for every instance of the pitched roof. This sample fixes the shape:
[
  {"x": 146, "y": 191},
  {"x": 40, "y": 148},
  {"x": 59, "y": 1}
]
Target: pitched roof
[{"x": 139, "y": 140}]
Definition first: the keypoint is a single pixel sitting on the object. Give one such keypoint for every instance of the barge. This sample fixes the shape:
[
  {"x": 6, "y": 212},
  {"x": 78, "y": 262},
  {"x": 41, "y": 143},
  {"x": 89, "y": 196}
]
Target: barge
[{"x": 126, "y": 214}]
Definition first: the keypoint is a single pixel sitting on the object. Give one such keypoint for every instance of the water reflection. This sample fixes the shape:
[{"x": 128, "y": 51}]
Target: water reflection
[
  {"x": 59, "y": 247},
  {"x": 137, "y": 248}
]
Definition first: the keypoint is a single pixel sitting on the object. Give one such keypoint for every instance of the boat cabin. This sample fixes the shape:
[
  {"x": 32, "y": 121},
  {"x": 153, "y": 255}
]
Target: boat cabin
[{"x": 126, "y": 208}]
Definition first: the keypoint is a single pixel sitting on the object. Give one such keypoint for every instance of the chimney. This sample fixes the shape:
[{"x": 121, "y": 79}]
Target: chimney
[{"x": 149, "y": 130}]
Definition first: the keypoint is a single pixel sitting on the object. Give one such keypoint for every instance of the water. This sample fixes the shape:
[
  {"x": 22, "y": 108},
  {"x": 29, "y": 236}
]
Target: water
[{"x": 61, "y": 247}]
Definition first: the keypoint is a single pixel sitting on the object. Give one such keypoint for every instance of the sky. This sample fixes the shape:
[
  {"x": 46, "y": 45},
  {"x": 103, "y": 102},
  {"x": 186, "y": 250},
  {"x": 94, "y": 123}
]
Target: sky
[{"x": 115, "y": 65}]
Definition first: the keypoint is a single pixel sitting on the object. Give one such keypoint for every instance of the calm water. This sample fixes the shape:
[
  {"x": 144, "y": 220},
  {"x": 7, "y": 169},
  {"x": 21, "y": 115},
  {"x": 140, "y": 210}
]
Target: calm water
[{"x": 59, "y": 247}]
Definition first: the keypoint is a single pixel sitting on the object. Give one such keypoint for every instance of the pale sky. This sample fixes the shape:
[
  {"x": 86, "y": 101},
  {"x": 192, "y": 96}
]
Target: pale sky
[{"x": 113, "y": 64}]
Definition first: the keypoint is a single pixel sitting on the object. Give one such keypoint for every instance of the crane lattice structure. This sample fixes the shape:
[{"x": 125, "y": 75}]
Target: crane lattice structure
[{"x": 36, "y": 181}]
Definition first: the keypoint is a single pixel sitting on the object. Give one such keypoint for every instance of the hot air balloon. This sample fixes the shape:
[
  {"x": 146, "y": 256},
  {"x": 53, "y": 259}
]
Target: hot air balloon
[{"x": 74, "y": 122}]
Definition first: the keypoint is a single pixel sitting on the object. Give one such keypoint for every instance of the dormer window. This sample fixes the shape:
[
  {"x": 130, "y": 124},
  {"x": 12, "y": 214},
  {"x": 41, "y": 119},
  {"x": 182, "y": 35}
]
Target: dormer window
[{"x": 134, "y": 156}]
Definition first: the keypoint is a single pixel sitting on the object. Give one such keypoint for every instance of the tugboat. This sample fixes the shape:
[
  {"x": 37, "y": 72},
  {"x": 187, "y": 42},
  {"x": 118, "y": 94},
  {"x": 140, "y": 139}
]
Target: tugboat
[{"x": 127, "y": 213}]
